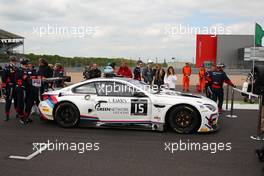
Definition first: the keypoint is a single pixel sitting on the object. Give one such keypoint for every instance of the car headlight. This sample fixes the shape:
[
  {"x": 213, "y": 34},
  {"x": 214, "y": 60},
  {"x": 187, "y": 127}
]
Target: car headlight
[{"x": 210, "y": 107}]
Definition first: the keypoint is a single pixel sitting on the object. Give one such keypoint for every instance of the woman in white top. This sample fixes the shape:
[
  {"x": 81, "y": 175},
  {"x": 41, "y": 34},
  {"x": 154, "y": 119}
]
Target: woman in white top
[{"x": 170, "y": 78}]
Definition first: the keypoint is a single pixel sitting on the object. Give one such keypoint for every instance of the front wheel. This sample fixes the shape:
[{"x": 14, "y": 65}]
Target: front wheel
[
  {"x": 67, "y": 115},
  {"x": 184, "y": 119}
]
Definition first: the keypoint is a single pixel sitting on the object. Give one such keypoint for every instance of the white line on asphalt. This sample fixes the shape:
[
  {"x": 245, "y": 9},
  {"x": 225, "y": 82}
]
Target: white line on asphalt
[{"x": 44, "y": 147}]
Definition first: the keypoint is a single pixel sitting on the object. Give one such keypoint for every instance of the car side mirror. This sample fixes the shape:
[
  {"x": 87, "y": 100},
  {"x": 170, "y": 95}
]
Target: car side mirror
[{"x": 139, "y": 94}]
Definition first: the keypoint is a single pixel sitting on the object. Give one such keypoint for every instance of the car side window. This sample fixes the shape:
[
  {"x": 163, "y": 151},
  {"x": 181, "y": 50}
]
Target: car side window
[
  {"x": 85, "y": 89},
  {"x": 109, "y": 88}
]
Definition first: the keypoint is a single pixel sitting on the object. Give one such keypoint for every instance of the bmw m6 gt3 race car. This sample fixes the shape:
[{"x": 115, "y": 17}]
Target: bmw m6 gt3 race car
[{"x": 120, "y": 102}]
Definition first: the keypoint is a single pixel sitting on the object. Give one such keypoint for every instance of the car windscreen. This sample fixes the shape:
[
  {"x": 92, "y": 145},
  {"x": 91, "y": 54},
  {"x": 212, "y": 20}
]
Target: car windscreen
[{"x": 142, "y": 85}]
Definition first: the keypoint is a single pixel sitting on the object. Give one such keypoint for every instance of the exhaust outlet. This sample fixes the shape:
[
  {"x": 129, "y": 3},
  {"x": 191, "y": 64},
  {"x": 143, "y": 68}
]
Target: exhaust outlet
[{"x": 154, "y": 127}]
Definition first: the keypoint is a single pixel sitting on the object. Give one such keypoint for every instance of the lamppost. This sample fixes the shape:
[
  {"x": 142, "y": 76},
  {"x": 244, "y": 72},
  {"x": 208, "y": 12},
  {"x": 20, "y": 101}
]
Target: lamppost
[{"x": 174, "y": 61}]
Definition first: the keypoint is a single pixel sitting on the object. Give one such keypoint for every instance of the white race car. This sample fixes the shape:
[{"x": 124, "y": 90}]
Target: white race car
[{"x": 120, "y": 102}]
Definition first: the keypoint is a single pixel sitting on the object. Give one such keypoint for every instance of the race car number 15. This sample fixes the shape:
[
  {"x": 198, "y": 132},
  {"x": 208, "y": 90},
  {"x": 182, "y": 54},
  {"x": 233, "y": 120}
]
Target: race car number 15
[{"x": 139, "y": 107}]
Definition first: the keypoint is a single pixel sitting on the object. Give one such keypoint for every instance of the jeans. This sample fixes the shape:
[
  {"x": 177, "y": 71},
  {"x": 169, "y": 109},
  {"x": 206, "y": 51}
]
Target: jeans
[{"x": 218, "y": 95}]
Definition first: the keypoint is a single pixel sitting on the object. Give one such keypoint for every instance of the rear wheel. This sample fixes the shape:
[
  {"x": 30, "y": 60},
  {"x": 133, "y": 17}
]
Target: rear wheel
[
  {"x": 184, "y": 119},
  {"x": 67, "y": 115}
]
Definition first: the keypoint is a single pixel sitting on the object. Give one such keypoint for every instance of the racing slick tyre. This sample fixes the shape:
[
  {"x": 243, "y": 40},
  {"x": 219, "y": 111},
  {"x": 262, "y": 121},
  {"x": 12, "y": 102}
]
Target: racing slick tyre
[
  {"x": 67, "y": 115},
  {"x": 184, "y": 119}
]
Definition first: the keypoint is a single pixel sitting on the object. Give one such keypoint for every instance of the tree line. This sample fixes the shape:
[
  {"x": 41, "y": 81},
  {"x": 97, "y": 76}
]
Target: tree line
[{"x": 71, "y": 61}]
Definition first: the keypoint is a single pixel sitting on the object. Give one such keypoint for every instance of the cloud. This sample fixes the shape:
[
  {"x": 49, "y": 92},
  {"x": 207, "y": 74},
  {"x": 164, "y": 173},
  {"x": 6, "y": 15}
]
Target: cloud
[{"x": 125, "y": 28}]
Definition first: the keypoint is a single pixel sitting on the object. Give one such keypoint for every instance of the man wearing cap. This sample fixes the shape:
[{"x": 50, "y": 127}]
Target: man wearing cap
[
  {"x": 219, "y": 77},
  {"x": 147, "y": 73},
  {"x": 186, "y": 71},
  {"x": 9, "y": 85}
]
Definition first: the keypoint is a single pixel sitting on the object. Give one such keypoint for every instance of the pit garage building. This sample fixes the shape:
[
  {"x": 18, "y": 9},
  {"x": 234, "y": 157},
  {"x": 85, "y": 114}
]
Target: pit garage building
[{"x": 235, "y": 51}]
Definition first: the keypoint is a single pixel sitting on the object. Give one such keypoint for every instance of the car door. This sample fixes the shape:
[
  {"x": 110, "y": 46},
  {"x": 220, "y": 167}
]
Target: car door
[
  {"x": 85, "y": 99},
  {"x": 116, "y": 103}
]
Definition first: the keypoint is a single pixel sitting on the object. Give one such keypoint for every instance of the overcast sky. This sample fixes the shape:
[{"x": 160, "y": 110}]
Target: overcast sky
[{"x": 125, "y": 28}]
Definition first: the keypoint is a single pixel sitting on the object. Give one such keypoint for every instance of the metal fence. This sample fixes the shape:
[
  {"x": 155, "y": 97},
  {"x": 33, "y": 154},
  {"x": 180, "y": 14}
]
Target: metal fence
[{"x": 260, "y": 124}]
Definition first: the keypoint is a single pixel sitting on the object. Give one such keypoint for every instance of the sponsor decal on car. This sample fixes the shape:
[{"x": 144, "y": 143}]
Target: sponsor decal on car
[
  {"x": 45, "y": 109},
  {"x": 117, "y": 100},
  {"x": 157, "y": 118},
  {"x": 120, "y": 111},
  {"x": 204, "y": 130},
  {"x": 103, "y": 109},
  {"x": 139, "y": 107},
  {"x": 99, "y": 108},
  {"x": 115, "y": 110}
]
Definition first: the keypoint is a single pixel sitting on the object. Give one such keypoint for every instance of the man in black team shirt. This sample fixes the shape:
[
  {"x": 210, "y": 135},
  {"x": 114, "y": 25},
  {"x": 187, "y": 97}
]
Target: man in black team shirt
[
  {"x": 9, "y": 85},
  {"x": 218, "y": 78},
  {"x": 137, "y": 71},
  {"x": 94, "y": 72},
  {"x": 32, "y": 90},
  {"x": 21, "y": 77}
]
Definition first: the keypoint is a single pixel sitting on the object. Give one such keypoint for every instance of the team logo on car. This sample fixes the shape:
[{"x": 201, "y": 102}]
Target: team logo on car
[{"x": 99, "y": 108}]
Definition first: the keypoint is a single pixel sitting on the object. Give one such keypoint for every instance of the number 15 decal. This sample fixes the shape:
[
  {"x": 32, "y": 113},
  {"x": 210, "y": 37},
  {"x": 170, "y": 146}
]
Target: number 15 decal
[{"x": 139, "y": 107}]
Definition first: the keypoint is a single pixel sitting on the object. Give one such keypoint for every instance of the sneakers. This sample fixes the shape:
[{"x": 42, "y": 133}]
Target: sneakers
[
  {"x": 29, "y": 120},
  {"x": 22, "y": 119},
  {"x": 23, "y": 122}
]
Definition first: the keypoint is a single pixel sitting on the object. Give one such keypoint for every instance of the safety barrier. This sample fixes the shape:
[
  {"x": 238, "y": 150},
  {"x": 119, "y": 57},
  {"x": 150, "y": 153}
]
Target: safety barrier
[
  {"x": 227, "y": 96},
  {"x": 260, "y": 123},
  {"x": 231, "y": 115}
]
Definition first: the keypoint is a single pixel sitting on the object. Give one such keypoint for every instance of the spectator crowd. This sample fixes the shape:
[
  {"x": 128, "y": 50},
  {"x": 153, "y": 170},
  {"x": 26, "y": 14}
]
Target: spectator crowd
[{"x": 210, "y": 81}]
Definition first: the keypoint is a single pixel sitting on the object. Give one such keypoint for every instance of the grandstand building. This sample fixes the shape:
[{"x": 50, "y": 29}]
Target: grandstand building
[{"x": 10, "y": 41}]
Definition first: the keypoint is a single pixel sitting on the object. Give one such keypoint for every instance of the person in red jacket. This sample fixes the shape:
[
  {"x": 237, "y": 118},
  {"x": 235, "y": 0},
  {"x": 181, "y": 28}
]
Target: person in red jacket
[{"x": 124, "y": 71}]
